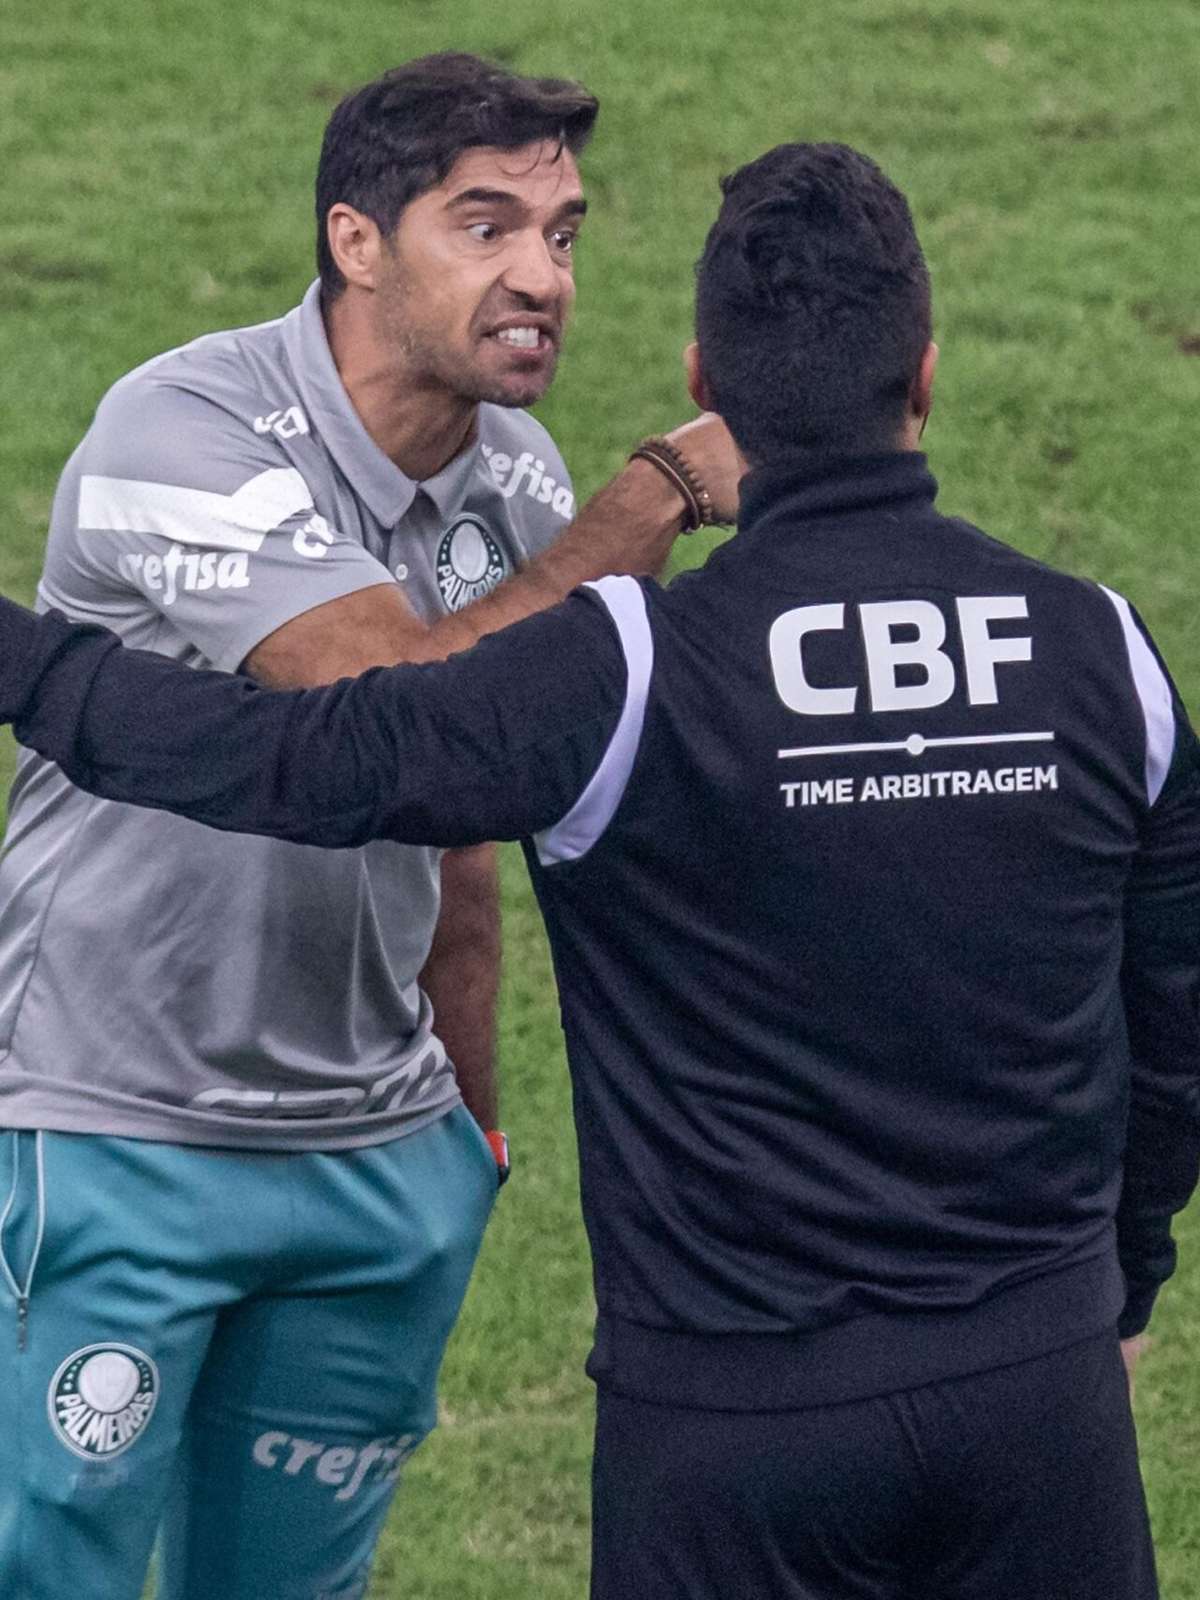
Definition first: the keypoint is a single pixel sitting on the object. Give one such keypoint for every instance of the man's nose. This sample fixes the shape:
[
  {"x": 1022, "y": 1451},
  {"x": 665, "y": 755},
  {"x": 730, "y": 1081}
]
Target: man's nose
[{"x": 531, "y": 270}]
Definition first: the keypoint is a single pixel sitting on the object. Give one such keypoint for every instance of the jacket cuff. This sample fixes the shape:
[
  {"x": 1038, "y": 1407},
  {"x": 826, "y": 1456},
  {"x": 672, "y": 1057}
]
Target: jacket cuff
[
  {"x": 1139, "y": 1303},
  {"x": 20, "y": 634}
]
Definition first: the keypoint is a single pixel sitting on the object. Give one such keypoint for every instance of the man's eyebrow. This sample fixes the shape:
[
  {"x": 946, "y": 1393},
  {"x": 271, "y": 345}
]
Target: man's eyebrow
[
  {"x": 504, "y": 197},
  {"x": 484, "y": 197}
]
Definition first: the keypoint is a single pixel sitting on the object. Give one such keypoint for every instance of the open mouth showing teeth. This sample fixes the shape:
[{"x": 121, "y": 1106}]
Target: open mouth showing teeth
[{"x": 522, "y": 338}]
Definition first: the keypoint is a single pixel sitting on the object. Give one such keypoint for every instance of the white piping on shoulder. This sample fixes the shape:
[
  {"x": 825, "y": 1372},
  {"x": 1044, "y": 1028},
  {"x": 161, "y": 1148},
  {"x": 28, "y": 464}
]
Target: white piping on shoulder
[
  {"x": 1154, "y": 693},
  {"x": 575, "y": 833}
]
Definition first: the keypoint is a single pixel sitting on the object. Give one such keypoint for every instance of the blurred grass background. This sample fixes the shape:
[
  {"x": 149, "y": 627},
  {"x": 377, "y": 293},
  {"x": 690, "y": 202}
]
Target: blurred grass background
[{"x": 157, "y": 163}]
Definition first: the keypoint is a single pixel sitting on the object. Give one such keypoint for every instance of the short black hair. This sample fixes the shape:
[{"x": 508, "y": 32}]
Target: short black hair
[
  {"x": 812, "y": 303},
  {"x": 397, "y": 137}
]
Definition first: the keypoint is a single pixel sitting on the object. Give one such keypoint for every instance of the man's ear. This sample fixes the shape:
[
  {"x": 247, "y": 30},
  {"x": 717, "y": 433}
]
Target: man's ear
[
  {"x": 697, "y": 383},
  {"x": 920, "y": 398},
  {"x": 355, "y": 244}
]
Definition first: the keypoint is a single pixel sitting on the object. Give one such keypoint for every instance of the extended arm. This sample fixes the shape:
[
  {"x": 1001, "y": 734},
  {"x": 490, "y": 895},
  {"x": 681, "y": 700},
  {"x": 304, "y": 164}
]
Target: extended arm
[
  {"x": 493, "y": 744},
  {"x": 627, "y": 527}
]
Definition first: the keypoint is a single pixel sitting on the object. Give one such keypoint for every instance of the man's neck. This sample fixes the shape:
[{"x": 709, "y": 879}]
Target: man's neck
[{"x": 420, "y": 429}]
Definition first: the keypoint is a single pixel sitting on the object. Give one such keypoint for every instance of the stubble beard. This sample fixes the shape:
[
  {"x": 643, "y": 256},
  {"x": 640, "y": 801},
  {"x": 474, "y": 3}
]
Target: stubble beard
[
  {"x": 425, "y": 357},
  {"x": 469, "y": 380}
]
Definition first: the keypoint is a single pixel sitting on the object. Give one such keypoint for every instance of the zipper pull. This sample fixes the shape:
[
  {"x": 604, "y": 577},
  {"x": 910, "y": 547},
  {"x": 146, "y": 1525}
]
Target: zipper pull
[{"x": 22, "y": 1321}]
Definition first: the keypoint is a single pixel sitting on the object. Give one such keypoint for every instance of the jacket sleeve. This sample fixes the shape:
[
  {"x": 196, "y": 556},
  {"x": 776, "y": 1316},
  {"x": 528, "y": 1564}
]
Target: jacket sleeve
[
  {"x": 495, "y": 743},
  {"x": 1161, "y": 990}
]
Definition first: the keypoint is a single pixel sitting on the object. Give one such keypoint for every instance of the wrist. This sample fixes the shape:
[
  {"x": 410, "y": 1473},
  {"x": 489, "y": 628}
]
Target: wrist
[
  {"x": 627, "y": 526},
  {"x": 672, "y": 463},
  {"x": 659, "y": 498}
]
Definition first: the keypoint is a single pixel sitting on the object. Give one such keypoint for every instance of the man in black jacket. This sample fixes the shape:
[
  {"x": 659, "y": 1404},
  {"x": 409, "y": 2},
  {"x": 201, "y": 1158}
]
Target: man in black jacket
[{"x": 870, "y": 861}]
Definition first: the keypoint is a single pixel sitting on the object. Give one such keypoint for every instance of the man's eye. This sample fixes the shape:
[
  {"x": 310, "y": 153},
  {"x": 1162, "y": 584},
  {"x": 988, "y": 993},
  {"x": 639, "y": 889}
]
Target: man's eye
[
  {"x": 487, "y": 231},
  {"x": 563, "y": 240}
]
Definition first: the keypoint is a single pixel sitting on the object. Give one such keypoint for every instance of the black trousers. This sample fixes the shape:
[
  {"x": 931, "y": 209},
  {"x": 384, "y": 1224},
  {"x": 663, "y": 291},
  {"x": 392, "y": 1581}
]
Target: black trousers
[{"x": 1017, "y": 1484}]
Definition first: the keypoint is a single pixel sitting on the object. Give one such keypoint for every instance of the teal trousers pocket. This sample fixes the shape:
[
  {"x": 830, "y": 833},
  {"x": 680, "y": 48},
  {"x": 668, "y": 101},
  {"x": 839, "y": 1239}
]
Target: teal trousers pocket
[{"x": 241, "y": 1348}]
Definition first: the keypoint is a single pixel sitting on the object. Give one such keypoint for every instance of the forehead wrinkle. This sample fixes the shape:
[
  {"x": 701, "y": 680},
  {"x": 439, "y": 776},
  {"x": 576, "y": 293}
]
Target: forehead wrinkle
[
  {"x": 574, "y": 206},
  {"x": 556, "y": 171}
]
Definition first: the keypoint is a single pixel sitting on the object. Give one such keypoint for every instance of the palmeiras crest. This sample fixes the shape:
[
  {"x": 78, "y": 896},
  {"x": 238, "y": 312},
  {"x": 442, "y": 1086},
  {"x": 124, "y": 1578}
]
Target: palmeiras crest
[
  {"x": 101, "y": 1399},
  {"x": 469, "y": 563}
]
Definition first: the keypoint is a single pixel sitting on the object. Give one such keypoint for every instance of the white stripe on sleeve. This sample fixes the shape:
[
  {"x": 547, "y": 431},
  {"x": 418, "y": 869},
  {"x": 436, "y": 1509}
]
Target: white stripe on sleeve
[
  {"x": 575, "y": 834},
  {"x": 1154, "y": 692},
  {"x": 239, "y": 521}
]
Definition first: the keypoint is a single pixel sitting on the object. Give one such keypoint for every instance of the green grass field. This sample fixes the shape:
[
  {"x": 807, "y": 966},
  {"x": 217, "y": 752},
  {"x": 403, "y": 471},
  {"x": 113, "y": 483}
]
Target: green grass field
[{"x": 157, "y": 162}]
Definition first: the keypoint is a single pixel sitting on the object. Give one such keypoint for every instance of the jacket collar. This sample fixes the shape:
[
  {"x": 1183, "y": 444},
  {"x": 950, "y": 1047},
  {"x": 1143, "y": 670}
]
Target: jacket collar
[{"x": 812, "y": 486}]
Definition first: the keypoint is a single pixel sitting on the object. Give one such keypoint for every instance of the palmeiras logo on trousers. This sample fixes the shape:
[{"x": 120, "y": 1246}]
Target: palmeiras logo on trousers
[
  {"x": 101, "y": 1399},
  {"x": 469, "y": 563}
]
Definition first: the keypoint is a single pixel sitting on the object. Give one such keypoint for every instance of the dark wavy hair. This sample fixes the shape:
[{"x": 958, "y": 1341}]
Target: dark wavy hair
[
  {"x": 397, "y": 137},
  {"x": 812, "y": 303}
]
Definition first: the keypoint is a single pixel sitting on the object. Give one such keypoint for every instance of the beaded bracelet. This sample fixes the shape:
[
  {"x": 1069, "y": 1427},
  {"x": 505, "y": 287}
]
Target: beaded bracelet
[{"x": 675, "y": 466}]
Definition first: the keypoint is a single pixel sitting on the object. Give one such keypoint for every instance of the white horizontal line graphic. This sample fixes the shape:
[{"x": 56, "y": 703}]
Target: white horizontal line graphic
[
  {"x": 239, "y": 521},
  {"x": 916, "y": 744}
]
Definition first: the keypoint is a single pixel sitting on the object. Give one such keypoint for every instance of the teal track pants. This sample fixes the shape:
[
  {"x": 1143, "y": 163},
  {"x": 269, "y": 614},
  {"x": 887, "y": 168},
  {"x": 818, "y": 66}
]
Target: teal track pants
[{"x": 239, "y": 1349}]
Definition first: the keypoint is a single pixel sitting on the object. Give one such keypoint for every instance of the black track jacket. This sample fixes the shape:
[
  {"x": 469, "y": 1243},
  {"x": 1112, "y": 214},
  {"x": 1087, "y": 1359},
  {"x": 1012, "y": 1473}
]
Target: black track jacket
[{"x": 870, "y": 861}]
